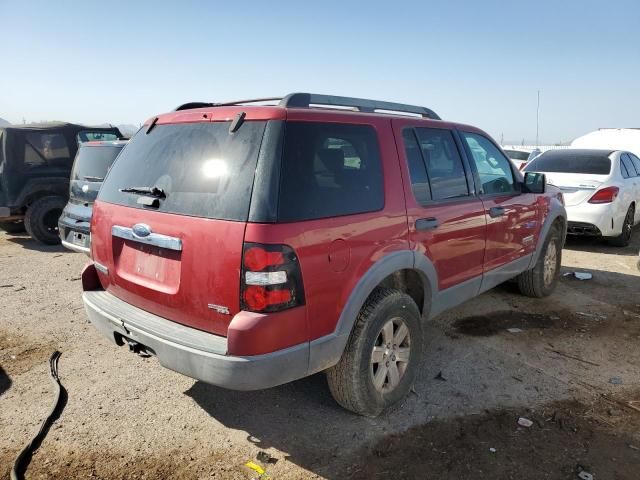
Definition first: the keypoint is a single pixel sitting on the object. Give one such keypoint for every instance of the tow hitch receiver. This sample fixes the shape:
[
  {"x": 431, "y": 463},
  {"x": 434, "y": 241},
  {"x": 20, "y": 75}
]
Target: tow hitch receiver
[{"x": 138, "y": 348}]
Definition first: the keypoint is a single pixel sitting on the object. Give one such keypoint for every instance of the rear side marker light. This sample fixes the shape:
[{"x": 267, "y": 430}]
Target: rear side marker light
[
  {"x": 271, "y": 278},
  {"x": 605, "y": 195},
  {"x": 265, "y": 278}
]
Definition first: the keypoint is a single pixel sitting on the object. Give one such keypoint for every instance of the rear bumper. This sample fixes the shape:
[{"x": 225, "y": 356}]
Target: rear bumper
[
  {"x": 583, "y": 228},
  {"x": 598, "y": 219},
  {"x": 75, "y": 219},
  {"x": 192, "y": 352}
]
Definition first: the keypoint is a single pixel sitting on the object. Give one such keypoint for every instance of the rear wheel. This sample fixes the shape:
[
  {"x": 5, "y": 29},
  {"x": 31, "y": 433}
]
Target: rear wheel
[
  {"x": 542, "y": 279},
  {"x": 379, "y": 364},
  {"x": 624, "y": 238},
  {"x": 42, "y": 217},
  {"x": 12, "y": 227}
]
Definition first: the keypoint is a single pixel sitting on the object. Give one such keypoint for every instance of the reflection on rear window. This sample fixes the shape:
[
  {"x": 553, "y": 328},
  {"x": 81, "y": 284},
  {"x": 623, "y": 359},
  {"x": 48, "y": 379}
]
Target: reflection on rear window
[
  {"x": 591, "y": 162},
  {"x": 204, "y": 170}
]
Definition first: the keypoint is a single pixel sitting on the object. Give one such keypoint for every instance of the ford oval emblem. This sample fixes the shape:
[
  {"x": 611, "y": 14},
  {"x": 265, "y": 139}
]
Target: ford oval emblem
[{"x": 141, "y": 230}]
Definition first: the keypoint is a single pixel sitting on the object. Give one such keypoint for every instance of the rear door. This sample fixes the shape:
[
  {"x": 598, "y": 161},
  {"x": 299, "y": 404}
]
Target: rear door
[
  {"x": 632, "y": 179},
  {"x": 512, "y": 216},
  {"x": 636, "y": 163},
  {"x": 446, "y": 218},
  {"x": 176, "y": 251}
]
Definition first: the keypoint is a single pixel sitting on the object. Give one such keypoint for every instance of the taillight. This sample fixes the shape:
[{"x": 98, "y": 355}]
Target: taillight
[
  {"x": 606, "y": 195},
  {"x": 522, "y": 165},
  {"x": 271, "y": 278}
]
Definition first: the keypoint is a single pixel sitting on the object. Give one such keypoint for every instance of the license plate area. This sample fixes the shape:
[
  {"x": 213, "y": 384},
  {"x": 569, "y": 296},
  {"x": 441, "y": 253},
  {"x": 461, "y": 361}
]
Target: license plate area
[
  {"x": 81, "y": 239},
  {"x": 152, "y": 267}
]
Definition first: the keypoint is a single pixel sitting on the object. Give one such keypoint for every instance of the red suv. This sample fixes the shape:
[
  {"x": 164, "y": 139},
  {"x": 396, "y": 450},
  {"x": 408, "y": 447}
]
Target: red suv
[{"x": 250, "y": 245}]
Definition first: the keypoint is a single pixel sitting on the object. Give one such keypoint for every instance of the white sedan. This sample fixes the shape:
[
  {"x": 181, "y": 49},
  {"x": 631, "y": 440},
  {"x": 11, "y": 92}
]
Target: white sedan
[{"x": 601, "y": 190}]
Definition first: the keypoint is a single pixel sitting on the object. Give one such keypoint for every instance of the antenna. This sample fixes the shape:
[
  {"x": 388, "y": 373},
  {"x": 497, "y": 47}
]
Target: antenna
[{"x": 538, "y": 120}]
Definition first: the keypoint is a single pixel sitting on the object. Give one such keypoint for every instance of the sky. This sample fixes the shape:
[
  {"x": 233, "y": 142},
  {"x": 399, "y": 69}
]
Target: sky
[{"x": 476, "y": 62}]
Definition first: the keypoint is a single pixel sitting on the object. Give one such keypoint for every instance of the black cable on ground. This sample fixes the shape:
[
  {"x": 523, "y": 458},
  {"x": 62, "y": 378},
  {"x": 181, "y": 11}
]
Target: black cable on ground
[{"x": 24, "y": 457}]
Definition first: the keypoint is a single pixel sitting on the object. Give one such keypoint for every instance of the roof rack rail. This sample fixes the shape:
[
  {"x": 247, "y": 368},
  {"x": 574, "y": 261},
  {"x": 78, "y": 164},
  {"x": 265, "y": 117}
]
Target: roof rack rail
[
  {"x": 306, "y": 100},
  {"x": 191, "y": 105},
  {"x": 309, "y": 100}
]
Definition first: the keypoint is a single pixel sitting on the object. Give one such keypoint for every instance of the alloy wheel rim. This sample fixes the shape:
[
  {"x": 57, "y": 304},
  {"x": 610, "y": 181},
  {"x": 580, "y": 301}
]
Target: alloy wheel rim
[
  {"x": 390, "y": 355},
  {"x": 550, "y": 263},
  {"x": 628, "y": 223}
]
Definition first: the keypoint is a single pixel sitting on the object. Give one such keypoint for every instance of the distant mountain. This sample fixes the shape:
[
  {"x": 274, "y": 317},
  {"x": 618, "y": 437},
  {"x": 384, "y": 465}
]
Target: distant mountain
[{"x": 4, "y": 123}]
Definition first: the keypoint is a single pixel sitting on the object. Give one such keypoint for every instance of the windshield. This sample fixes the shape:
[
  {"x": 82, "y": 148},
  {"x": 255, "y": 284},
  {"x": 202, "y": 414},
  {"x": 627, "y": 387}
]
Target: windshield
[
  {"x": 92, "y": 136},
  {"x": 201, "y": 168},
  {"x": 92, "y": 163},
  {"x": 591, "y": 162}
]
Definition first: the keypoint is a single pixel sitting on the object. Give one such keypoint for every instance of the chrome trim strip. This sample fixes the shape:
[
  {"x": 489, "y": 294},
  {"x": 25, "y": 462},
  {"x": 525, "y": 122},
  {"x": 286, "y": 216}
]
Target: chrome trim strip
[
  {"x": 101, "y": 268},
  {"x": 155, "y": 239},
  {"x": 75, "y": 248}
]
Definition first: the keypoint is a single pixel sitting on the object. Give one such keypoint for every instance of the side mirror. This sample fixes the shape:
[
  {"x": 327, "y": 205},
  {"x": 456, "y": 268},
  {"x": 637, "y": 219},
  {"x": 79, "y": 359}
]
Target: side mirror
[{"x": 534, "y": 182}]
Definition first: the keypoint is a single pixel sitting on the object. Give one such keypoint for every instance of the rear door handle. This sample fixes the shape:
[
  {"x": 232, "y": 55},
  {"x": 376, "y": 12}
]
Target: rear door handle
[
  {"x": 424, "y": 224},
  {"x": 496, "y": 212}
]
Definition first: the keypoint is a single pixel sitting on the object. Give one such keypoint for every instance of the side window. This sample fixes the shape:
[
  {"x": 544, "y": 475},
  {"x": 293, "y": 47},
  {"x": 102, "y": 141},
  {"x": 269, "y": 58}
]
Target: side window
[
  {"x": 417, "y": 170},
  {"x": 32, "y": 158},
  {"x": 628, "y": 166},
  {"x": 329, "y": 170},
  {"x": 493, "y": 167},
  {"x": 50, "y": 146},
  {"x": 444, "y": 165},
  {"x": 636, "y": 162}
]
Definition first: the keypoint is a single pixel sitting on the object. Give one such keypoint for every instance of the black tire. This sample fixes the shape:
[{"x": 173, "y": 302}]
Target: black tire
[
  {"x": 533, "y": 282},
  {"x": 624, "y": 238},
  {"x": 351, "y": 380},
  {"x": 12, "y": 227},
  {"x": 42, "y": 217}
]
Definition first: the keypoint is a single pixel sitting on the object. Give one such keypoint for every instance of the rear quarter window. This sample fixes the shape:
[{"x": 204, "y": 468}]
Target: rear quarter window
[
  {"x": 329, "y": 170},
  {"x": 204, "y": 170}
]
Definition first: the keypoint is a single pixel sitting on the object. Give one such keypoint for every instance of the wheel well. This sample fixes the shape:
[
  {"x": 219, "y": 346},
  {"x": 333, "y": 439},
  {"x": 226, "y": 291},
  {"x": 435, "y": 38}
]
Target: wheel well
[
  {"x": 407, "y": 281},
  {"x": 560, "y": 221}
]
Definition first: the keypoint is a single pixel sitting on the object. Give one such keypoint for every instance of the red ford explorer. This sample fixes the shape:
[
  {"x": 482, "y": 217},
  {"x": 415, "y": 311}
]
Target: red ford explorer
[{"x": 248, "y": 245}]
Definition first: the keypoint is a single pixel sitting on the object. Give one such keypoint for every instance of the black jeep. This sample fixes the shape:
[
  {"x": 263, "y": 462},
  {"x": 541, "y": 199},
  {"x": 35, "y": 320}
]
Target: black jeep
[{"x": 35, "y": 165}]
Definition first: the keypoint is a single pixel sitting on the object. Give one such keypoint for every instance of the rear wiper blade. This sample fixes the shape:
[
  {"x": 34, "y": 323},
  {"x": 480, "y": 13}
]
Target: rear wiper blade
[
  {"x": 152, "y": 191},
  {"x": 93, "y": 179}
]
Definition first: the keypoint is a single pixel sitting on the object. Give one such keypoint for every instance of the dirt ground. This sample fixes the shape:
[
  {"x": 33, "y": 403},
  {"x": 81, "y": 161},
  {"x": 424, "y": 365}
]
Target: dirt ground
[{"x": 571, "y": 366}]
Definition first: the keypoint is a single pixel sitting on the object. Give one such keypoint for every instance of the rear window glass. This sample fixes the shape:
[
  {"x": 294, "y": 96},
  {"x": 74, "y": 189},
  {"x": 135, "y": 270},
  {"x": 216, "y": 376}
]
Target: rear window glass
[
  {"x": 329, "y": 170},
  {"x": 567, "y": 161},
  {"x": 517, "y": 155},
  {"x": 92, "y": 163},
  {"x": 204, "y": 170}
]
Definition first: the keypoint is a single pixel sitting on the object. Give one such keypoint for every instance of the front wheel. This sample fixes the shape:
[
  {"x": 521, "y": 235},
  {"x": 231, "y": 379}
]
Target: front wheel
[
  {"x": 542, "y": 279},
  {"x": 379, "y": 364}
]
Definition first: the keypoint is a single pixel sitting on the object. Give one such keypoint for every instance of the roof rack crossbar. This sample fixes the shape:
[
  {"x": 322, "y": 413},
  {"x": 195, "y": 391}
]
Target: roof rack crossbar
[
  {"x": 305, "y": 100},
  {"x": 308, "y": 100}
]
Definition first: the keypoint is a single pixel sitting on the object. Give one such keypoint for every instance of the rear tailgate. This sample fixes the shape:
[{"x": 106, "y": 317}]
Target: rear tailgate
[
  {"x": 170, "y": 218},
  {"x": 175, "y": 284}
]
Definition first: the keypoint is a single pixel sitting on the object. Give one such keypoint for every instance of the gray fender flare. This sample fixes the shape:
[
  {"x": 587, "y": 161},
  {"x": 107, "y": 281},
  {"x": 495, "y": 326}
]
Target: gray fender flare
[
  {"x": 326, "y": 351},
  {"x": 556, "y": 211}
]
